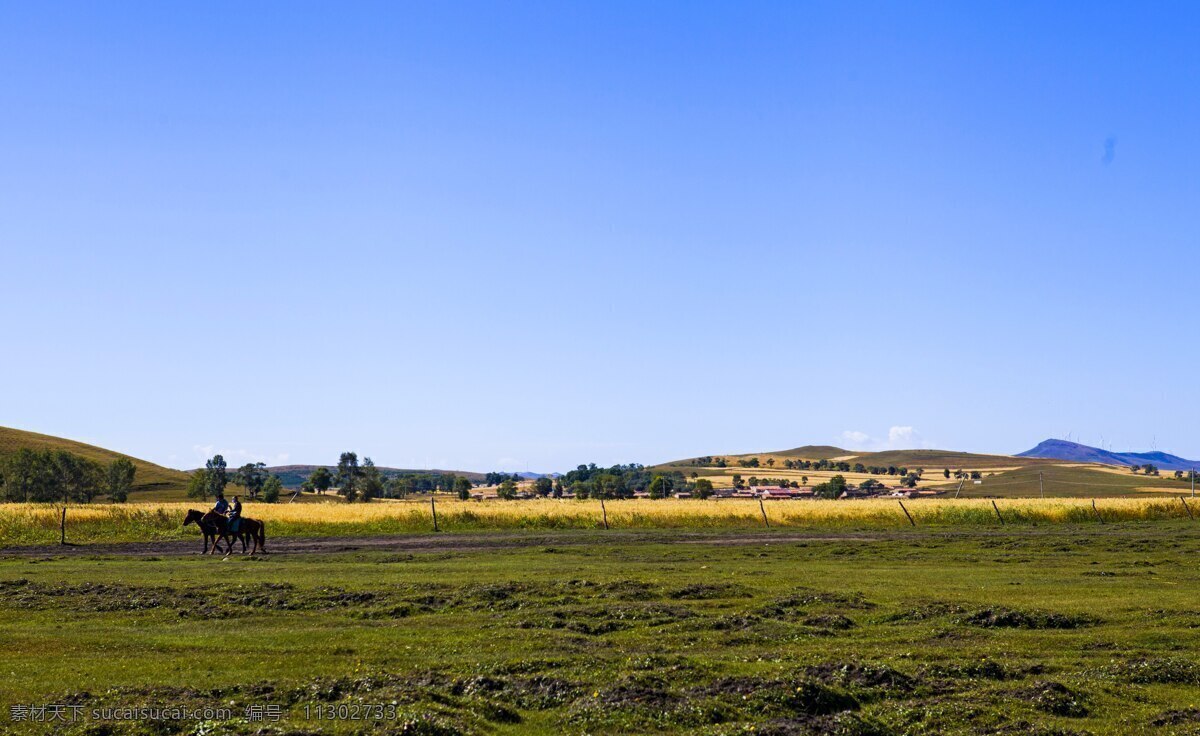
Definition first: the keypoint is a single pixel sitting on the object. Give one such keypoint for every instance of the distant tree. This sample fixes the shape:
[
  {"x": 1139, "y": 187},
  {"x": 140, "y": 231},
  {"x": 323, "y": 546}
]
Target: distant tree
[
  {"x": 869, "y": 484},
  {"x": 371, "y": 484},
  {"x": 198, "y": 485},
  {"x": 321, "y": 480},
  {"x": 771, "y": 462},
  {"x": 737, "y": 481},
  {"x": 1149, "y": 469},
  {"x": 703, "y": 488},
  {"x": 462, "y": 486},
  {"x": 272, "y": 488},
  {"x": 660, "y": 486},
  {"x": 507, "y": 489},
  {"x": 348, "y": 474},
  {"x": 216, "y": 475},
  {"x": 119, "y": 479},
  {"x": 910, "y": 480},
  {"x": 860, "y": 468},
  {"x": 804, "y": 480},
  {"x": 558, "y": 488},
  {"x": 946, "y": 472},
  {"x": 252, "y": 477},
  {"x": 832, "y": 488},
  {"x": 976, "y": 475},
  {"x": 543, "y": 486}
]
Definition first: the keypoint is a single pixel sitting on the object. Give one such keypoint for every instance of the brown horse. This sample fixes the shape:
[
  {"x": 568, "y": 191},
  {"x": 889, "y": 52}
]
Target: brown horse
[
  {"x": 254, "y": 531},
  {"x": 215, "y": 527}
]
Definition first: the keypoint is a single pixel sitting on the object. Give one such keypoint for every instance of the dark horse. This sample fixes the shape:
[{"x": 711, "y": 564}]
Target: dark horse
[{"x": 215, "y": 528}]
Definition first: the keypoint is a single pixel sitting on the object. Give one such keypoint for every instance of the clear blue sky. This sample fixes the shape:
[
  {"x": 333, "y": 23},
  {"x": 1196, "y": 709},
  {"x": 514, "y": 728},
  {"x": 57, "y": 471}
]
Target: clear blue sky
[{"x": 526, "y": 236}]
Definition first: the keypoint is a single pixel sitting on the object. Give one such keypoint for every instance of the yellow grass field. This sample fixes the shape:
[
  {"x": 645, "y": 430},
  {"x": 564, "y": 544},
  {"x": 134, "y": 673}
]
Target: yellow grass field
[{"x": 37, "y": 524}]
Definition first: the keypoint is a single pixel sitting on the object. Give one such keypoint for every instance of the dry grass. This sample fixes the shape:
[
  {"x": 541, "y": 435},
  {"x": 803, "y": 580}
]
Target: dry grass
[{"x": 36, "y": 524}]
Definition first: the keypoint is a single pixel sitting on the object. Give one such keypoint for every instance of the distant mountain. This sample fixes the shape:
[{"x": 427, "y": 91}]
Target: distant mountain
[{"x": 1077, "y": 453}]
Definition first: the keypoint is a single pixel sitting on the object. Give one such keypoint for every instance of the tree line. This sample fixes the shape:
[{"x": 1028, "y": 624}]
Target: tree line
[{"x": 59, "y": 476}]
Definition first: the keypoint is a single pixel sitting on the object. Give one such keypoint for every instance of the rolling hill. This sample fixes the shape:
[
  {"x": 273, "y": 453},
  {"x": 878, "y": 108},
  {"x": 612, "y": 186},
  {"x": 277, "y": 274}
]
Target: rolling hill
[
  {"x": 1075, "y": 452},
  {"x": 998, "y": 475},
  {"x": 150, "y": 477}
]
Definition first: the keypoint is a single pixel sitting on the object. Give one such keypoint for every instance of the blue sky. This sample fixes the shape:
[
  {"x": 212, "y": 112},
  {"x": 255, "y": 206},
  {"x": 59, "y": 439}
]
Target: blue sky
[{"x": 526, "y": 236}]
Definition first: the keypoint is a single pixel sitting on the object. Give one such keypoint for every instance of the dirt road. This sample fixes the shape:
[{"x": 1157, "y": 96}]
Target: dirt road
[{"x": 441, "y": 542}]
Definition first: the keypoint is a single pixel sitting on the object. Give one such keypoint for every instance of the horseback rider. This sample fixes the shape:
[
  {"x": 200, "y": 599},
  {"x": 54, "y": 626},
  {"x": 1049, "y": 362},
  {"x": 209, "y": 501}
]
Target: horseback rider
[
  {"x": 222, "y": 506},
  {"x": 235, "y": 514}
]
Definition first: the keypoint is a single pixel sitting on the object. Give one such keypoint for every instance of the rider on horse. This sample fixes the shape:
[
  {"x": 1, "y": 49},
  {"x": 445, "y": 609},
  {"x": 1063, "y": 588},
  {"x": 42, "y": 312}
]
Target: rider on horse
[
  {"x": 235, "y": 515},
  {"x": 222, "y": 506}
]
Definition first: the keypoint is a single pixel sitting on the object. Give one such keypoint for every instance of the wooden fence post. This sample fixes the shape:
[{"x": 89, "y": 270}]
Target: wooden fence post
[
  {"x": 998, "y": 516},
  {"x": 433, "y": 508},
  {"x": 63, "y": 526},
  {"x": 910, "y": 519},
  {"x": 1186, "y": 508},
  {"x": 1097, "y": 512},
  {"x": 763, "y": 509},
  {"x": 604, "y": 511}
]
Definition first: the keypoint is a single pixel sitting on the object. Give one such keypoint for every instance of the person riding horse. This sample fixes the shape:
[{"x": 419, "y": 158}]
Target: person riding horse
[{"x": 235, "y": 515}]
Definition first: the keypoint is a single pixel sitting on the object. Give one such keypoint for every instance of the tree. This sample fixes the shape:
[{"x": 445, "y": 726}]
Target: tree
[
  {"x": 252, "y": 477},
  {"x": 78, "y": 479},
  {"x": 910, "y": 481},
  {"x": 216, "y": 475},
  {"x": 660, "y": 486},
  {"x": 119, "y": 479},
  {"x": 348, "y": 473},
  {"x": 832, "y": 488},
  {"x": 804, "y": 480},
  {"x": 869, "y": 484},
  {"x": 507, "y": 489},
  {"x": 321, "y": 480},
  {"x": 198, "y": 485},
  {"x": 946, "y": 472},
  {"x": 272, "y": 487},
  {"x": 704, "y": 488},
  {"x": 558, "y": 488},
  {"x": 462, "y": 486},
  {"x": 371, "y": 485},
  {"x": 543, "y": 486}
]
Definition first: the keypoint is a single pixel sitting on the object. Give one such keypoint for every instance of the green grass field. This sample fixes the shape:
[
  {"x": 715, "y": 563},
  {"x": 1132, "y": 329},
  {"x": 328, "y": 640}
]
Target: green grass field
[{"x": 1059, "y": 629}]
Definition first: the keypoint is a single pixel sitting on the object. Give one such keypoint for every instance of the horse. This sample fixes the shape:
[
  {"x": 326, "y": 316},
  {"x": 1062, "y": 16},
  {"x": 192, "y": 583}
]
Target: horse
[
  {"x": 253, "y": 530},
  {"x": 215, "y": 527}
]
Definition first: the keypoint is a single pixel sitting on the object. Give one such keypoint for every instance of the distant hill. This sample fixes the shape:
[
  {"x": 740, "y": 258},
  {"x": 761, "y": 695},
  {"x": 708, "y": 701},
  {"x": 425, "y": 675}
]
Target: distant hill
[
  {"x": 149, "y": 477},
  {"x": 1077, "y": 453},
  {"x": 813, "y": 452},
  {"x": 928, "y": 459},
  {"x": 293, "y": 475}
]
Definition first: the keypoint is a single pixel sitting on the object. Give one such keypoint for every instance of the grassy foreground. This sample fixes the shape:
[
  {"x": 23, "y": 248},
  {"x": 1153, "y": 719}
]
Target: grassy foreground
[
  {"x": 1059, "y": 629},
  {"x": 39, "y": 523}
]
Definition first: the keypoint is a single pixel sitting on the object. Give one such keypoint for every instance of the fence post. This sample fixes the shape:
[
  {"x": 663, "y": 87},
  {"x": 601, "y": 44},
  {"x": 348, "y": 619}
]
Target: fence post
[
  {"x": 604, "y": 511},
  {"x": 763, "y": 509},
  {"x": 998, "y": 516},
  {"x": 63, "y": 526},
  {"x": 1185, "y": 507},
  {"x": 433, "y": 508},
  {"x": 1097, "y": 512},
  {"x": 910, "y": 519}
]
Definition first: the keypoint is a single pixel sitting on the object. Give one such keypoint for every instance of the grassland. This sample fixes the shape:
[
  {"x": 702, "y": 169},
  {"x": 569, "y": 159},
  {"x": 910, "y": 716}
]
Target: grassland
[
  {"x": 152, "y": 482},
  {"x": 1054, "y": 629},
  {"x": 32, "y": 524}
]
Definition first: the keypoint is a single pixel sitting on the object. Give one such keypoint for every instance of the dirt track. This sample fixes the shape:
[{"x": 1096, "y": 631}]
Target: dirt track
[{"x": 438, "y": 543}]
